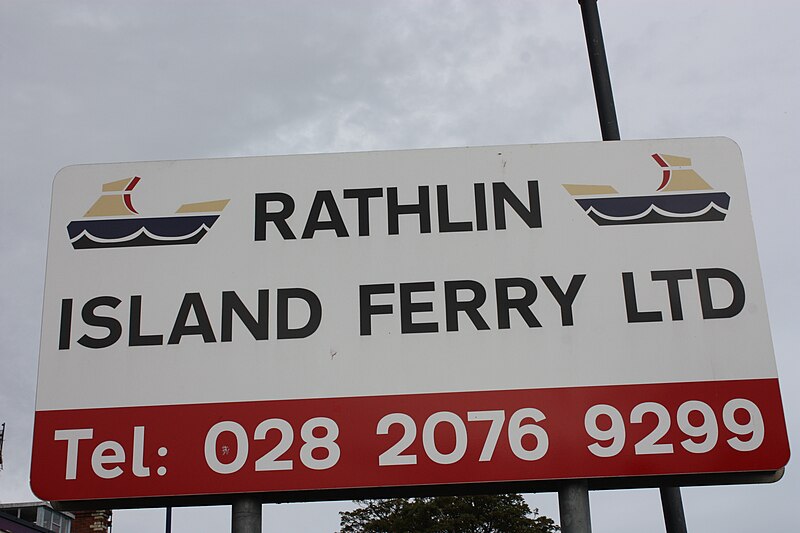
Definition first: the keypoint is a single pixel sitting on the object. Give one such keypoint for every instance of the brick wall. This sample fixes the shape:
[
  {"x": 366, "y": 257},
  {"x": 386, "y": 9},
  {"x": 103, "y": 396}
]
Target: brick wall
[{"x": 91, "y": 521}]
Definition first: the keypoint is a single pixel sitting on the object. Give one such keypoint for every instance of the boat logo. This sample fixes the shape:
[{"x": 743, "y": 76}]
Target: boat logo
[
  {"x": 112, "y": 221},
  {"x": 683, "y": 196}
]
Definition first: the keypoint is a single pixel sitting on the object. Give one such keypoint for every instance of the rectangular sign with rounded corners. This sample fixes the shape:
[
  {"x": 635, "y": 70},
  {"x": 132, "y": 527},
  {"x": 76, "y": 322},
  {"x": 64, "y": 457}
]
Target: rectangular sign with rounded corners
[{"x": 422, "y": 318}]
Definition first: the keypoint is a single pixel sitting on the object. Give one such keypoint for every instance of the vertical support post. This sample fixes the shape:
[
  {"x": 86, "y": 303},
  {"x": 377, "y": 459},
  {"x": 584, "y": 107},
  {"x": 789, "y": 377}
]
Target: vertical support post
[
  {"x": 672, "y": 505},
  {"x": 599, "y": 65},
  {"x": 671, "y": 502},
  {"x": 573, "y": 497},
  {"x": 2, "y": 438},
  {"x": 246, "y": 515},
  {"x": 168, "y": 525},
  {"x": 573, "y": 507}
]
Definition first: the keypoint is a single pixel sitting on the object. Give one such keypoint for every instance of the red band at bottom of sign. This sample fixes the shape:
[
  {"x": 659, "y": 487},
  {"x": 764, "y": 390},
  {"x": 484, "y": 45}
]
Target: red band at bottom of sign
[{"x": 409, "y": 440}]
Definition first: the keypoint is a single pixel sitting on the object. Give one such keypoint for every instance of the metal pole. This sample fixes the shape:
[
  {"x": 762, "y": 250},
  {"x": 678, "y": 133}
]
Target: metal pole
[
  {"x": 169, "y": 520},
  {"x": 671, "y": 502},
  {"x": 599, "y": 65},
  {"x": 2, "y": 438},
  {"x": 573, "y": 496},
  {"x": 246, "y": 515},
  {"x": 573, "y": 507}
]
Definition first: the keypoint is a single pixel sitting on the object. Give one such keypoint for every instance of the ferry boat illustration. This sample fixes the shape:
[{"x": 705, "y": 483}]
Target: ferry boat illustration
[
  {"x": 683, "y": 196},
  {"x": 113, "y": 222}
]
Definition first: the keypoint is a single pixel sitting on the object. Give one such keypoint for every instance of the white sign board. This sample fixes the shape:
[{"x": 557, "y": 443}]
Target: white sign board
[{"x": 387, "y": 319}]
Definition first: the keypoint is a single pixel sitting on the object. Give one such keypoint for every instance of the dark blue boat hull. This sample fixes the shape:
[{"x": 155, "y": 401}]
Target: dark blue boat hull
[
  {"x": 136, "y": 231},
  {"x": 656, "y": 209}
]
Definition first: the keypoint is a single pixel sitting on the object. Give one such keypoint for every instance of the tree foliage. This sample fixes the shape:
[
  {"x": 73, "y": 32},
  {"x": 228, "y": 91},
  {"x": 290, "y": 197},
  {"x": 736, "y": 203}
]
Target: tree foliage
[{"x": 506, "y": 513}]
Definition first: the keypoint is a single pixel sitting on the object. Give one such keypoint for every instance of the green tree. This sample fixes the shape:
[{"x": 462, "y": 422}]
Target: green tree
[{"x": 506, "y": 513}]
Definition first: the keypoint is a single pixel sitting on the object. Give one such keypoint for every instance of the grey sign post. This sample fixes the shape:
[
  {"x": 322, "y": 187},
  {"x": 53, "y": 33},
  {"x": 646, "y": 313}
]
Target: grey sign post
[
  {"x": 246, "y": 515},
  {"x": 671, "y": 501}
]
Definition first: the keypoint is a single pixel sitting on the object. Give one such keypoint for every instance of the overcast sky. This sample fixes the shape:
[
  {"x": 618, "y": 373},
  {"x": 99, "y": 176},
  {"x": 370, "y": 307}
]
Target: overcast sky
[{"x": 85, "y": 82}]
